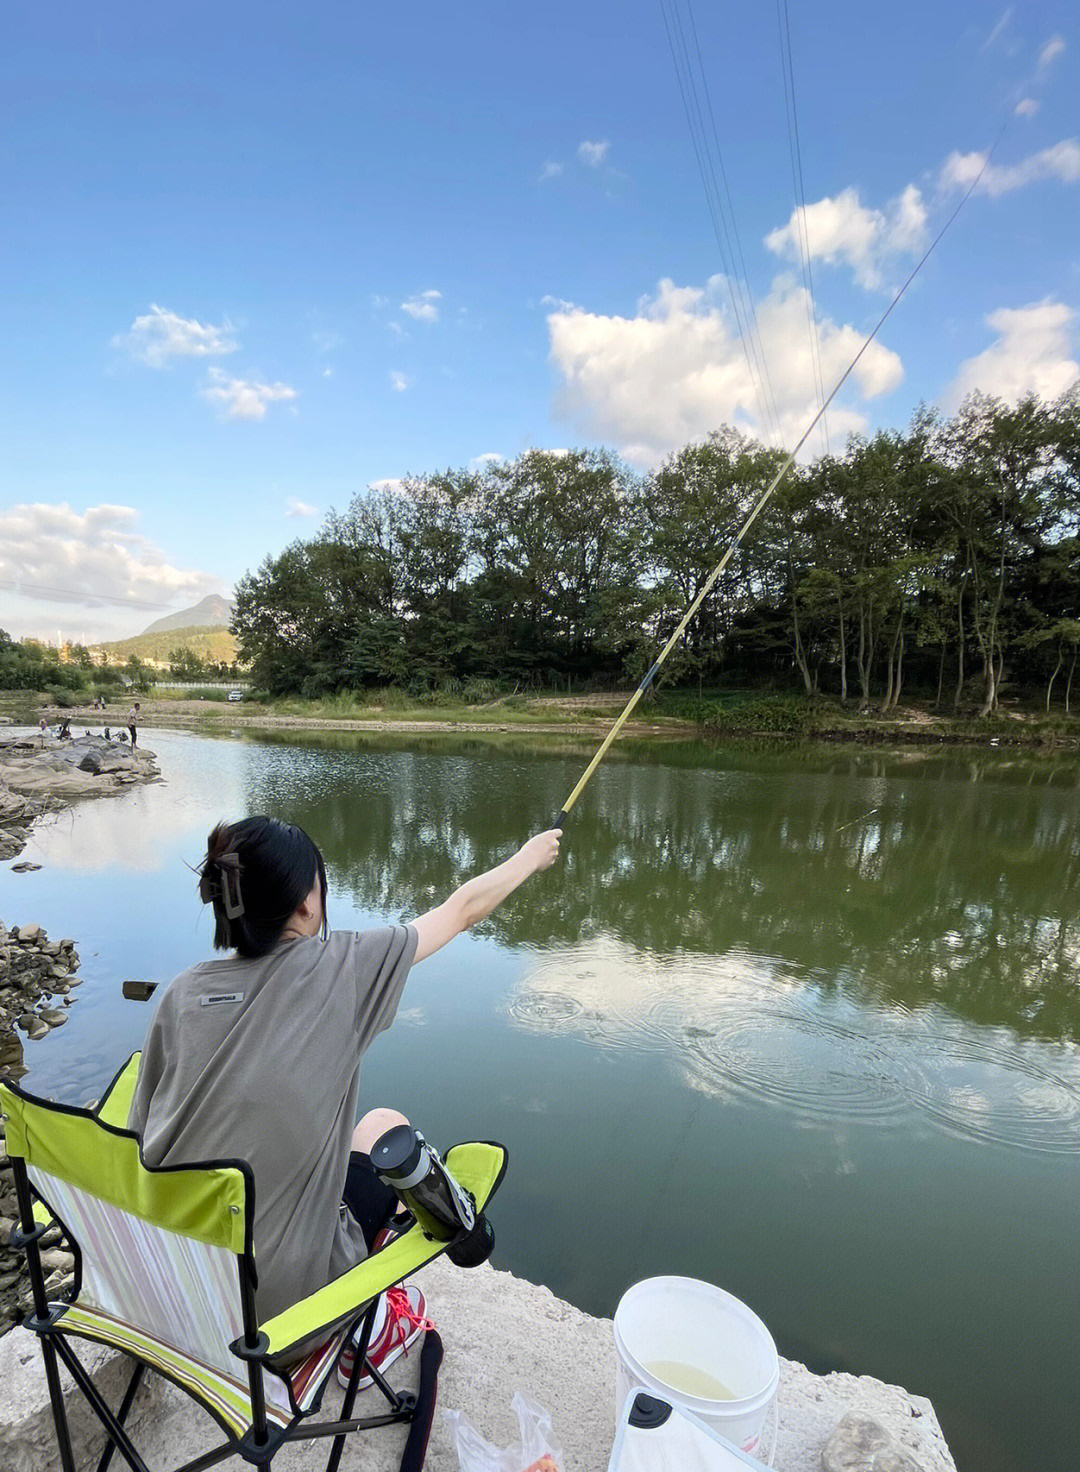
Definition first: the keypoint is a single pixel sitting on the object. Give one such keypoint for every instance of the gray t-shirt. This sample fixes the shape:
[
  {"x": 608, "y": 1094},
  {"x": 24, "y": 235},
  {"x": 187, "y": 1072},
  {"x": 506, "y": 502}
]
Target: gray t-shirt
[{"x": 260, "y": 1061}]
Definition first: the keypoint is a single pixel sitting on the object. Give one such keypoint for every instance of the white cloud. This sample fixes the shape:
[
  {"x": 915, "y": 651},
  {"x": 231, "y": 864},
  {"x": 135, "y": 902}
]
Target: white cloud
[
  {"x": 378, "y": 302},
  {"x": 481, "y": 462},
  {"x": 1027, "y": 107},
  {"x": 675, "y": 371},
  {"x": 422, "y": 307},
  {"x": 400, "y": 381},
  {"x": 593, "y": 154},
  {"x": 558, "y": 302},
  {"x": 1060, "y": 161},
  {"x": 1002, "y": 22},
  {"x": 240, "y": 398},
  {"x": 160, "y": 335},
  {"x": 842, "y": 228},
  {"x": 397, "y": 329},
  {"x": 551, "y": 170},
  {"x": 328, "y": 373},
  {"x": 327, "y": 340},
  {"x": 71, "y": 565},
  {"x": 1035, "y": 352},
  {"x": 1053, "y": 49},
  {"x": 293, "y": 507},
  {"x": 392, "y": 483}
]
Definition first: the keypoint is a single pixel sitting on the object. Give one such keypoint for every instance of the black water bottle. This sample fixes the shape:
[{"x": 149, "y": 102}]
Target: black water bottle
[{"x": 443, "y": 1208}]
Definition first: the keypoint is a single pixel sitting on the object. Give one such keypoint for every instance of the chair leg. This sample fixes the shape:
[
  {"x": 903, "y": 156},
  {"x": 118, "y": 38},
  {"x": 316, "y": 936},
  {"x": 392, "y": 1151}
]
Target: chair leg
[
  {"x": 121, "y": 1415},
  {"x": 334, "y": 1459},
  {"x": 56, "y": 1397},
  {"x": 113, "y": 1429}
]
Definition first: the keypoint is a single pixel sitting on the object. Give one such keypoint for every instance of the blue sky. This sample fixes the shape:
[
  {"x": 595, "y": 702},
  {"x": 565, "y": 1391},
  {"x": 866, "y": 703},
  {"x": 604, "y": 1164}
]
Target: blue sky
[{"x": 258, "y": 257}]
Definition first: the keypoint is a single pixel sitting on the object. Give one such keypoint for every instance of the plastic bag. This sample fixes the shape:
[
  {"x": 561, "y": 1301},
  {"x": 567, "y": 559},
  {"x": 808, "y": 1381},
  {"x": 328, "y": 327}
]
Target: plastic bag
[{"x": 536, "y": 1451}]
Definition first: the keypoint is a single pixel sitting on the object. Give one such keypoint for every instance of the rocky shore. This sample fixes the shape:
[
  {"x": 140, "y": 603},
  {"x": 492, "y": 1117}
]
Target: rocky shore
[
  {"x": 501, "y": 1334},
  {"x": 37, "y": 977},
  {"x": 41, "y": 774}
]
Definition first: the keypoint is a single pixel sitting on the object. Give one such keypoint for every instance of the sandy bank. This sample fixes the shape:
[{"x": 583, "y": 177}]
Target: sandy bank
[
  {"x": 218, "y": 715},
  {"x": 501, "y": 1334},
  {"x": 905, "y": 728}
]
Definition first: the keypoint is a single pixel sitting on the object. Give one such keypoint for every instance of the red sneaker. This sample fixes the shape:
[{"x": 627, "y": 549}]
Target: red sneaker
[{"x": 403, "y": 1323}]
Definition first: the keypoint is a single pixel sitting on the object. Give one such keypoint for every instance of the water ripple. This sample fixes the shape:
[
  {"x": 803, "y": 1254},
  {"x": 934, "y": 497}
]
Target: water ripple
[{"x": 738, "y": 1027}]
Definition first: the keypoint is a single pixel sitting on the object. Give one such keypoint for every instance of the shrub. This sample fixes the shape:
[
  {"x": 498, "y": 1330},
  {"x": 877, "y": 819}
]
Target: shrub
[
  {"x": 780, "y": 714},
  {"x": 62, "y": 697}
]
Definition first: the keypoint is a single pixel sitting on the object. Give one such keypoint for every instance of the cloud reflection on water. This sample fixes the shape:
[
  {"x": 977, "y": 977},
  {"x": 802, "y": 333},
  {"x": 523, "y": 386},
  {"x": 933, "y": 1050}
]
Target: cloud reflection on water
[{"x": 742, "y": 1027}]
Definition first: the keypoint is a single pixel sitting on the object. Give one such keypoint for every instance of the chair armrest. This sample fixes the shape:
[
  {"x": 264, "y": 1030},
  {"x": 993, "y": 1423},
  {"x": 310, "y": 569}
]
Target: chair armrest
[
  {"x": 42, "y": 1215},
  {"x": 115, "y": 1105},
  {"x": 479, "y": 1167}
]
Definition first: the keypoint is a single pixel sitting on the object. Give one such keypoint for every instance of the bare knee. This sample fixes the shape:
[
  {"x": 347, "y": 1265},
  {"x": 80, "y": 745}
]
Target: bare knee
[{"x": 373, "y": 1124}]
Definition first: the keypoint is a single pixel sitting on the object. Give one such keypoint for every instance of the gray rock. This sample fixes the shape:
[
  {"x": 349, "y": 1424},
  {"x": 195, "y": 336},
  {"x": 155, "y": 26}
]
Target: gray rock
[
  {"x": 10, "y": 1050},
  {"x": 25, "y": 933},
  {"x": 56, "y": 1261},
  {"x": 26, "y": 1020},
  {"x": 861, "y": 1444},
  {"x": 27, "y": 1439},
  {"x": 24, "y": 868},
  {"x": 37, "y": 1030},
  {"x": 54, "y": 1017}
]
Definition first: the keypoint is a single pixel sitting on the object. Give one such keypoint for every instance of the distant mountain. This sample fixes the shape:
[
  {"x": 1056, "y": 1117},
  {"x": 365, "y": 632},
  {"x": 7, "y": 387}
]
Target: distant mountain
[
  {"x": 214, "y": 612},
  {"x": 213, "y": 644}
]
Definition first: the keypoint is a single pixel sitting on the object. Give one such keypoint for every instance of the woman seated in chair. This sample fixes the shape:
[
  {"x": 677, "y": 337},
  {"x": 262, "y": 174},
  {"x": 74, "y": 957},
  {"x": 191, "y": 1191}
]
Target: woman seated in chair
[{"x": 257, "y": 1057}]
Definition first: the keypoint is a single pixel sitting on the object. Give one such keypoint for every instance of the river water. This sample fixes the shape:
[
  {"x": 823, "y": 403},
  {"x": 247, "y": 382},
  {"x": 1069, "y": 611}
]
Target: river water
[{"x": 801, "y": 1022}]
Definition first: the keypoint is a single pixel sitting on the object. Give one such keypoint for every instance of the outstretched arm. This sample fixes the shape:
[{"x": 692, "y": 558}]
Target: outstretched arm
[{"x": 476, "y": 899}]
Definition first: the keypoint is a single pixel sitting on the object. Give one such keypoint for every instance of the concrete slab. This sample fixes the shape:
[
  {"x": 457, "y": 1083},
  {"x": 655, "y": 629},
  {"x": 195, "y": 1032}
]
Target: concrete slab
[{"x": 501, "y": 1334}]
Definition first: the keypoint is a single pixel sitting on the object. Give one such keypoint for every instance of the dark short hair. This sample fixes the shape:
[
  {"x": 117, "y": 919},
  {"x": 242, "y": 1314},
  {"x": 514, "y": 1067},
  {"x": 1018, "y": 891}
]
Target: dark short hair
[{"x": 255, "y": 874}]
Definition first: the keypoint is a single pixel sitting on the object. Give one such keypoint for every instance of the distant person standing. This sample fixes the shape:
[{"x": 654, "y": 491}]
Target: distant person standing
[{"x": 133, "y": 716}]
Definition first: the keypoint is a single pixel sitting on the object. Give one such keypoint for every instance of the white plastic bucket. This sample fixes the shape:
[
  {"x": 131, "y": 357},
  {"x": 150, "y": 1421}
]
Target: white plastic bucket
[{"x": 694, "y": 1323}]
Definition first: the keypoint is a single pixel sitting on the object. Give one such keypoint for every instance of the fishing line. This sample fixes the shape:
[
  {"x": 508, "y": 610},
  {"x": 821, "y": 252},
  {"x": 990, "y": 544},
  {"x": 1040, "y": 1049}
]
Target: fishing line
[{"x": 759, "y": 507}]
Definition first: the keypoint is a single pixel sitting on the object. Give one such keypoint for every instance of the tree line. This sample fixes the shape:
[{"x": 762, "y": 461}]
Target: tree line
[
  {"x": 943, "y": 558},
  {"x": 71, "y": 678}
]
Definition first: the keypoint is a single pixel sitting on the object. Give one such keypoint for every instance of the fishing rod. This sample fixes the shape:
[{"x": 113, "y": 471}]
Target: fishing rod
[{"x": 759, "y": 506}]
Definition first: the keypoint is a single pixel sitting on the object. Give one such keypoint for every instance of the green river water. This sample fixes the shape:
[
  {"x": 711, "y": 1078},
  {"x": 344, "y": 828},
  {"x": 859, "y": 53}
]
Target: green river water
[{"x": 802, "y": 1022}]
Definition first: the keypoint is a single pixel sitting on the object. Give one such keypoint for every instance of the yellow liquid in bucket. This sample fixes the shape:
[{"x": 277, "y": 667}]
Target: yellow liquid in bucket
[{"x": 690, "y": 1380}]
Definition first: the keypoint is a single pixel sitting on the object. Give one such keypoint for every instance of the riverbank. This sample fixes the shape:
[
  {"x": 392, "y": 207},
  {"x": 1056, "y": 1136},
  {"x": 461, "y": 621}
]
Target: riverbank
[
  {"x": 40, "y": 774},
  {"x": 668, "y": 715},
  {"x": 673, "y": 716},
  {"x": 501, "y": 1334}
]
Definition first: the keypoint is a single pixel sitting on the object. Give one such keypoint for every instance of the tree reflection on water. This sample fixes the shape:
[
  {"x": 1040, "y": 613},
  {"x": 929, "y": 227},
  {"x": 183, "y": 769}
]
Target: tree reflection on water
[{"x": 897, "y": 879}]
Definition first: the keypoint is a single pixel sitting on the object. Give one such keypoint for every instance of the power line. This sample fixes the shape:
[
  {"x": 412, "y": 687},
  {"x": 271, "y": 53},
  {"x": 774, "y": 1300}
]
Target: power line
[
  {"x": 723, "y": 230},
  {"x": 744, "y": 274},
  {"x": 74, "y": 595},
  {"x": 795, "y": 149}
]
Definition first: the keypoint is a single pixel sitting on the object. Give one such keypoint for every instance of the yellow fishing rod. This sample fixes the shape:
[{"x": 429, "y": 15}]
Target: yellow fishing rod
[{"x": 759, "y": 506}]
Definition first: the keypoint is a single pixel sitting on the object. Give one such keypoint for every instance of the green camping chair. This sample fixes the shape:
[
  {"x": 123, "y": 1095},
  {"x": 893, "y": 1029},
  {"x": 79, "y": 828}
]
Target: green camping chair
[{"x": 165, "y": 1271}]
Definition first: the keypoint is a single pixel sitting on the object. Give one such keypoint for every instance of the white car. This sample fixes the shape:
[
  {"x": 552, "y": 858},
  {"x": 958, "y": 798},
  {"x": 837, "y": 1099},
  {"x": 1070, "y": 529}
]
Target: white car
[{"x": 236, "y": 695}]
